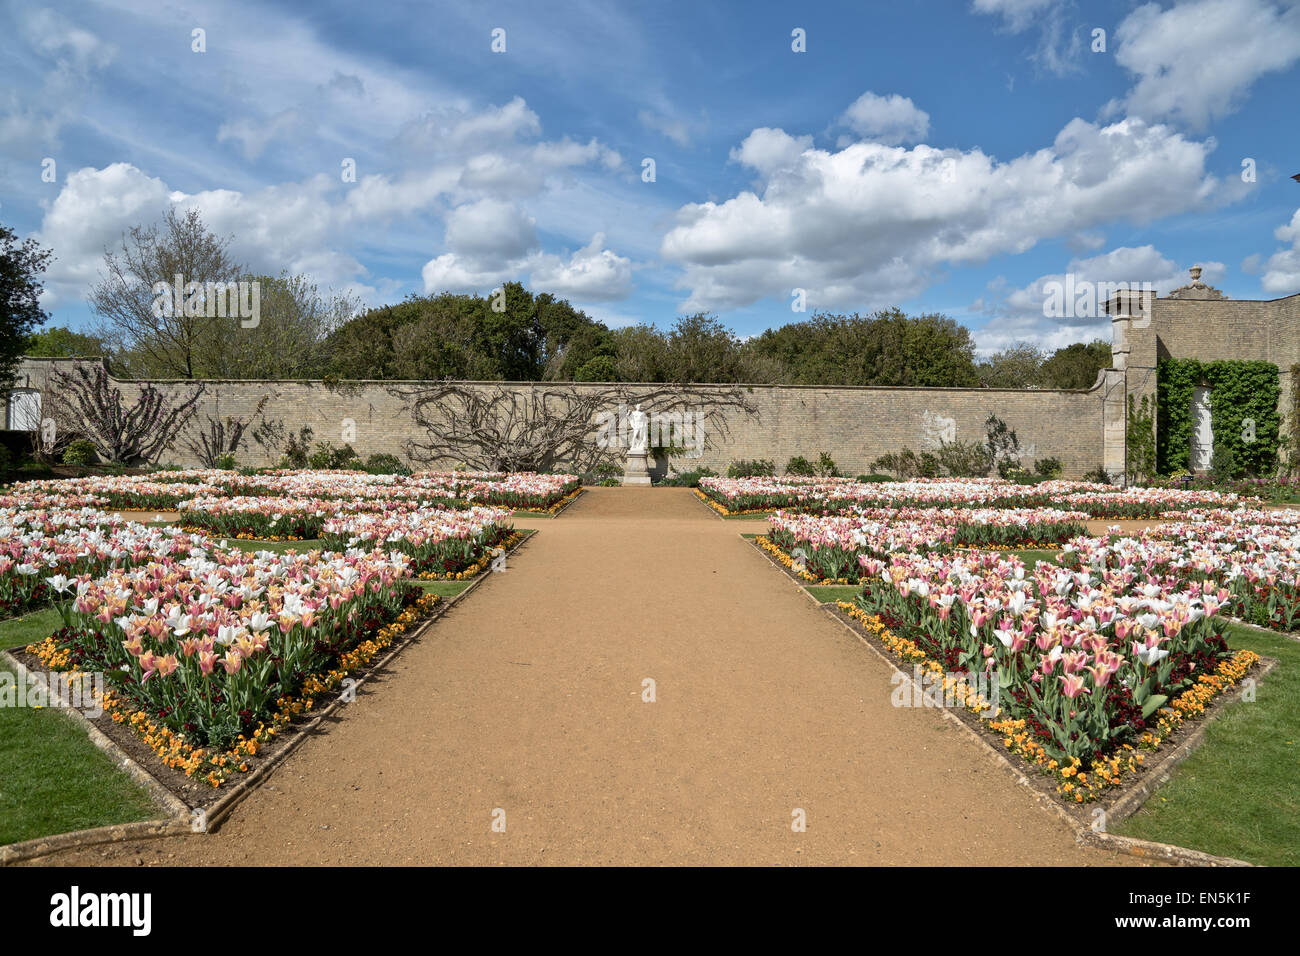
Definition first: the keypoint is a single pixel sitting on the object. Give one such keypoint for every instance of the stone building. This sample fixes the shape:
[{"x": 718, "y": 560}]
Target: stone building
[{"x": 1084, "y": 429}]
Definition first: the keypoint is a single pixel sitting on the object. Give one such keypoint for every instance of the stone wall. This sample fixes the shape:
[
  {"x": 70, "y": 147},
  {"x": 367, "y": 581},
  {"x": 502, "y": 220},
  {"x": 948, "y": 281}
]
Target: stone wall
[{"x": 853, "y": 425}]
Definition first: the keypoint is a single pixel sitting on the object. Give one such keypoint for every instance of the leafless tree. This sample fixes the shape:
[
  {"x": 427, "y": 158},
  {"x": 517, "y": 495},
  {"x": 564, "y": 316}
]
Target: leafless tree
[
  {"x": 162, "y": 343},
  {"x": 220, "y": 436},
  {"x": 537, "y": 426},
  {"x": 86, "y": 402}
]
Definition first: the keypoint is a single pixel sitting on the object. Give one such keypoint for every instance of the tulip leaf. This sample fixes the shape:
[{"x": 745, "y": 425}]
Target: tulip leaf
[{"x": 1153, "y": 704}]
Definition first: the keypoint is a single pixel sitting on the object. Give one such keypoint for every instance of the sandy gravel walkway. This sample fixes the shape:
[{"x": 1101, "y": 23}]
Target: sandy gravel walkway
[{"x": 528, "y": 698}]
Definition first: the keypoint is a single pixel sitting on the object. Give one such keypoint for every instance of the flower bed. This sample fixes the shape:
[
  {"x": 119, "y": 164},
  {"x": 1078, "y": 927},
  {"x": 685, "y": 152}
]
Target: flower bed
[
  {"x": 832, "y": 545},
  {"x": 1257, "y": 564},
  {"x": 439, "y": 542},
  {"x": 40, "y": 544},
  {"x": 828, "y": 497},
  {"x": 205, "y": 656},
  {"x": 1089, "y": 671},
  {"x": 168, "y": 490}
]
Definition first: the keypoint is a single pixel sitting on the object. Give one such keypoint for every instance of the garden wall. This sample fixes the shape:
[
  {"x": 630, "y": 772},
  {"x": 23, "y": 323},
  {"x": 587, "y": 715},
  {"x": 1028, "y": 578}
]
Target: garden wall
[{"x": 854, "y": 425}]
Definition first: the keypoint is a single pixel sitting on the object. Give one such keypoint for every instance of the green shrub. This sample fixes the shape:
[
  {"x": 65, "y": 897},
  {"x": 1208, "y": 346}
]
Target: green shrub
[
  {"x": 609, "y": 482},
  {"x": 826, "y": 466},
  {"x": 965, "y": 459},
  {"x": 904, "y": 464},
  {"x": 297, "y": 449},
  {"x": 1223, "y": 463},
  {"x": 80, "y": 451},
  {"x": 607, "y": 469},
  {"x": 385, "y": 464},
  {"x": 758, "y": 468},
  {"x": 326, "y": 456},
  {"x": 799, "y": 465},
  {"x": 1099, "y": 475},
  {"x": 1048, "y": 468},
  {"x": 689, "y": 479},
  {"x": 225, "y": 462},
  {"x": 873, "y": 478}
]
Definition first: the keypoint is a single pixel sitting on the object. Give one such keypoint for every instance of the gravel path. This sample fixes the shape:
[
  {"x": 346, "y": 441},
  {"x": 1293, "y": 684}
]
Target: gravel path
[{"x": 528, "y": 697}]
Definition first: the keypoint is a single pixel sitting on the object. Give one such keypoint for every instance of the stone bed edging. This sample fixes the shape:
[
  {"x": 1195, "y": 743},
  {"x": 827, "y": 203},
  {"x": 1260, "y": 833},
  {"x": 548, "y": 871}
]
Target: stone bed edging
[
  {"x": 181, "y": 818},
  {"x": 1124, "y": 806}
]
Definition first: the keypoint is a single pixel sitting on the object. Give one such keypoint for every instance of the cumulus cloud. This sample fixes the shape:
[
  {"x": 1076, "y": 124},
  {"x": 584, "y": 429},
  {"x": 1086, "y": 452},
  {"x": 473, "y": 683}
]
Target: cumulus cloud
[
  {"x": 1018, "y": 314},
  {"x": 490, "y": 232},
  {"x": 1196, "y": 61},
  {"x": 870, "y": 224},
  {"x": 592, "y": 274},
  {"x": 768, "y": 150},
  {"x": 1281, "y": 274},
  {"x": 889, "y": 119}
]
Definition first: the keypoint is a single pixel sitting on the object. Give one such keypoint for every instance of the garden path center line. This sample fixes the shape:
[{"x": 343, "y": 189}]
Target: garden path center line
[{"x": 764, "y": 704}]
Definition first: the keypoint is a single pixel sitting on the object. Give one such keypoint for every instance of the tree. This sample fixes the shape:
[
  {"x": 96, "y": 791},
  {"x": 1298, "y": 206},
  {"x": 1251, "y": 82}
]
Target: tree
[
  {"x": 170, "y": 344},
  {"x": 287, "y": 340},
  {"x": 510, "y": 335},
  {"x": 1019, "y": 366},
  {"x": 59, "y": 342},
  {"x": 1077, "y": 365},
  {"x": 21, "y": 264},
  {"x": 85, "y": 402},
  {"x": 886, "y": 348}
]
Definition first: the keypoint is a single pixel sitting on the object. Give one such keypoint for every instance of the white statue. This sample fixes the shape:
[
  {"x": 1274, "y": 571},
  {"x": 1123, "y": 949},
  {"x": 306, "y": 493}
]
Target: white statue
[{"x": 639, "y": 421}]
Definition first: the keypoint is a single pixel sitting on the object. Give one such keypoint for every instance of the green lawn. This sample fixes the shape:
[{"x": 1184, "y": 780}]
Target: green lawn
[
  {"x": 445, "y": 589},
  {"x": 31, "y": 628},
  {"x": 1236, "y": 795},
  {"x": 53, "y": 779}
]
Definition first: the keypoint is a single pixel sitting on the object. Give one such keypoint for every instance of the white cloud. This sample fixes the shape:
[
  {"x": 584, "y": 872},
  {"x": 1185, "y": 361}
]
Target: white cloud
[
  {"x": 91, "y": 211},
  {"x": 1196, "y": 61},
  {"x": 768, "y": 150},
  {"x": 889, "y": 119},
  {"x": 1018, "y": 15},
  {"x": 490, "y": 232},
  {"x": 1018, "y": 315},
  {"x": 449, "y": 273},
  {"x": 1059, "y": 45},
  {"x": 592, "y": 274},
  {"x": 1282, "y": 271},
  {"x": 32, "y": 117},
  {"x": 869, "y": 225}
]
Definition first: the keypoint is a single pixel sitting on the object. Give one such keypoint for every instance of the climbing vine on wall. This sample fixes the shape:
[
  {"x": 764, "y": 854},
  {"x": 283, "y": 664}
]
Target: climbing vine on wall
[{"x": 1243, "y": 412}]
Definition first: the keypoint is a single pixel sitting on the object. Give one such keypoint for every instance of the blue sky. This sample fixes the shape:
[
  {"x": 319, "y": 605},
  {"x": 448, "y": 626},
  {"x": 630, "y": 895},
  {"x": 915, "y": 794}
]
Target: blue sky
[{"x": 939, "y": 156}]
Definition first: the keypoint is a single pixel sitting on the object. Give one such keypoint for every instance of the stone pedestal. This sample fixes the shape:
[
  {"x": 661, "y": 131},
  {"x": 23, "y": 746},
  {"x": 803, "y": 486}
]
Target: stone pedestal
[{"x": 635, "y": 471}]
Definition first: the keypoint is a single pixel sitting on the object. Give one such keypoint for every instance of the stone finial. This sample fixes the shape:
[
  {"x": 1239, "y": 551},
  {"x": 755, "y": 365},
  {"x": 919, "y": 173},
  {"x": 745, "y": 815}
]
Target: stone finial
[{"x": 1196, "y": 289}]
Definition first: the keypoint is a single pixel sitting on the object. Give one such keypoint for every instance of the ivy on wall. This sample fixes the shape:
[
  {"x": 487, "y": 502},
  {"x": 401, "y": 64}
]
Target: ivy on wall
[{"x": 1242, "y": 393}]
